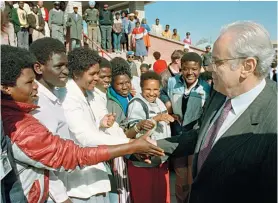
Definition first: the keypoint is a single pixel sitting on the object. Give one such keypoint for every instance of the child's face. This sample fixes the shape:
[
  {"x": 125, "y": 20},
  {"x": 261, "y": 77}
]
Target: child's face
[
  {"x": 150, "y": 90},
  {"x": 144, "y": 70},
  {"x": 130, "y": 58},
  {"x": 190, "y": 71}
]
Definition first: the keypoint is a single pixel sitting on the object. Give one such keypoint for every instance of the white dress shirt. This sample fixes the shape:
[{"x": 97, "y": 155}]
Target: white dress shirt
[
  {"x": 100, "y": 101},
  {"x": 157, "y": 30},
  {"x": 51, "y": 115},
  {"x": 239, "y": 105}
]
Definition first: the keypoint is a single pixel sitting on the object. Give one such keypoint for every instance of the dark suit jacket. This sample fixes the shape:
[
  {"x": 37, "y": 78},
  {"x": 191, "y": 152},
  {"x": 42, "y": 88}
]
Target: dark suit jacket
[{"x": 242, "y": 165}]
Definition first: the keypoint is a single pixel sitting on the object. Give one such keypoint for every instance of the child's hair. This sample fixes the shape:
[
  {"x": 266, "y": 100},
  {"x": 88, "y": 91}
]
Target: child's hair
[
  {"x": 144, "y": 65},
  {"x": 156, "y": 55},
  {"x": 191, "y": 56},
  {"x": 150, "y": 75},
  {"x": 120, "y": 67}
]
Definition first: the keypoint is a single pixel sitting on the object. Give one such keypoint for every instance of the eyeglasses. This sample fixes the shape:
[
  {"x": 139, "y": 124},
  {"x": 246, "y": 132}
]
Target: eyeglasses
[
  {"x": 130, "y": 57},
  {"x": 213, "y": 63}
]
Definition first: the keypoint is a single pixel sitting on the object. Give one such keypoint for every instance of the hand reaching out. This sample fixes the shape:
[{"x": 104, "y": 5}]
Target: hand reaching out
[
  {"x": 145, "y": 125},
  {"x": 108, "y": 120},
  {"x": 143, "y": 146},
  {"x": 177, "y": 118},
  {"x": 164, "y": 117}
]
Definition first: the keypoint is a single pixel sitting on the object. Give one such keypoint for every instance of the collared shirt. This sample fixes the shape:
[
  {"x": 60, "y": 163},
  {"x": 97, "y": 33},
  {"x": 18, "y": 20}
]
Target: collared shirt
[
  {"x": 167, "y": 34},
  {"x": 239, "y": 105},
  {"x": 157, "y": 30},
  {"x": 188, "y": 90},
  {"x": 100, "y": 100},
  {"x": 51, "y": 115}
]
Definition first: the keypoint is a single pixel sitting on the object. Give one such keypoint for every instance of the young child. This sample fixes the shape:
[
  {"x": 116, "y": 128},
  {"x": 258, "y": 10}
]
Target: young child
[
  {"x": 131, "y": 63},
  {"x": 136, "y": 88},
  {"x": 144, "y": 68},
  {"x": 149, "y": 183}
]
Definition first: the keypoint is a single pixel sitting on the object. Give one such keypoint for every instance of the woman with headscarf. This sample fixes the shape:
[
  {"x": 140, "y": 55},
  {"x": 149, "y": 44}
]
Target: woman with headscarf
[
  {"x": 138, "y": 34},
  {"x": 147, "y": 40}
]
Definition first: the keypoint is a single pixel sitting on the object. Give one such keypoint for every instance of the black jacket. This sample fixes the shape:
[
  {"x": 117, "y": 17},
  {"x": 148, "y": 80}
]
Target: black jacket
[{"x": 105, "y": 18}]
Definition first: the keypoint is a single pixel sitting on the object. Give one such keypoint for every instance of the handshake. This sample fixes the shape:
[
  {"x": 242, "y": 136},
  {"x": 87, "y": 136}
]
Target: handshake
[{"x": 144, "y": 147}]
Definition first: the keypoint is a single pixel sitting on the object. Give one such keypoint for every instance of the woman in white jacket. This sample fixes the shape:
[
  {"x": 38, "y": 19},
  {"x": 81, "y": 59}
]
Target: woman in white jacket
[{"x": 79, "y": 105}]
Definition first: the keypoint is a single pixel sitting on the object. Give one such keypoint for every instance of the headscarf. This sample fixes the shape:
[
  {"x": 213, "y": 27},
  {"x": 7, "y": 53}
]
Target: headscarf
[{"x": 92, "y": 3}]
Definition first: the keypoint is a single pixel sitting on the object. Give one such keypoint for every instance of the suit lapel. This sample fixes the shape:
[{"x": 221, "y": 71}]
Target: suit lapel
[{"x": 240, "y": 132}]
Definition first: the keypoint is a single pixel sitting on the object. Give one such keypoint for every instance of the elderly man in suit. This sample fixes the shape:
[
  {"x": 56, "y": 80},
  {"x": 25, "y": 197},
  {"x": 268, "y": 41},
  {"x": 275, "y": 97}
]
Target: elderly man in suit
[
  {"x": 75, "y": 23},
  {"x": 235, "y": 147}
]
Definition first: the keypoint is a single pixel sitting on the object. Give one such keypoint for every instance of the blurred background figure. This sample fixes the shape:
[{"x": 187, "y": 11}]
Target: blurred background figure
[{"x": 187, "y": 39}]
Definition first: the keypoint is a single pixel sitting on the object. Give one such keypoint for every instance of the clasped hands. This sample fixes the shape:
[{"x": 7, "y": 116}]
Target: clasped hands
[
  {"x": 108, "y": 120},
  {"x": 148, "y": 125}
]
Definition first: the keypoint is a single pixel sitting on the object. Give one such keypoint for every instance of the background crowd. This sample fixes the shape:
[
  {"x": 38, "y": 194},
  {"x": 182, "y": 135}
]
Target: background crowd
[{"x": 25, "y": 22}]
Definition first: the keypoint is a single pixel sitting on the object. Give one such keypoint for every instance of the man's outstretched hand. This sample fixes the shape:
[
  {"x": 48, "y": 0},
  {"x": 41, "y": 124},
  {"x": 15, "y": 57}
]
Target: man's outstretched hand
[{"x": 144, "y": 146}]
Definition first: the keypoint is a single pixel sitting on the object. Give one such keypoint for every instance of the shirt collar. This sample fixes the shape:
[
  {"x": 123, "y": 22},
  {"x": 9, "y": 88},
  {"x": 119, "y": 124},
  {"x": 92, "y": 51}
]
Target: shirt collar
[
  {"x": 47, "y": 93},
  {"x": 241, "y": 102},
  {"x": 195, "y": 85},
  {"x": 98, "y": 91}
]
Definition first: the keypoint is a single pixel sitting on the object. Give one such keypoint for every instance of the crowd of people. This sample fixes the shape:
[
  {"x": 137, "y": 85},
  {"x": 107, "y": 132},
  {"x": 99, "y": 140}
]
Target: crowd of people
[
  {"x": 119, "y": 32},
  {"x": 80, "y": 128}
]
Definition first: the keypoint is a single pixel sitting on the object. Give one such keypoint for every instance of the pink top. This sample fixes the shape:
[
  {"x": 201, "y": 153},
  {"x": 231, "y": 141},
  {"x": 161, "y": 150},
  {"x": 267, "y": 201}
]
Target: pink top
[{"x": 187, "y": 40}]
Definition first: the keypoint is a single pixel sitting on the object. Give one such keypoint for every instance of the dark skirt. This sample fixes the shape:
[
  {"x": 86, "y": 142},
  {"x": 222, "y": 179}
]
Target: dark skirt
[{"x": 124, "y": 38}]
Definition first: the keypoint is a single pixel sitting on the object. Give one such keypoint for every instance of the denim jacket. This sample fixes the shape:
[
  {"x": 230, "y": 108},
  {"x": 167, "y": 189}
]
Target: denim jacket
[{"x": 174, "y": 92}]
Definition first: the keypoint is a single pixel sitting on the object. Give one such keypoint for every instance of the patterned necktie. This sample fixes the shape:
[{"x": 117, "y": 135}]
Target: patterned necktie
[{"x": 211, "y": 135}]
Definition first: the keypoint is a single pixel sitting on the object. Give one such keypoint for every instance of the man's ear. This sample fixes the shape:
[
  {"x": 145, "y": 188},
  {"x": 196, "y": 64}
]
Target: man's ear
[
  {"x": 38, "y": 68},
  {"x": 249, "y": 67},
  {"x": 6, "y": 90}
]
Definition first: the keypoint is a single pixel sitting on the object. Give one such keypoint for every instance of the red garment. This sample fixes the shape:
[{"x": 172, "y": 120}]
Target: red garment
[
  {"x": 159, "y": 66},
  {"x": 149, "y": 185},
  {"x": 139, "y": 30},
  {"x": 35, "y": 141},
  {"x": 46, "y": 14}
]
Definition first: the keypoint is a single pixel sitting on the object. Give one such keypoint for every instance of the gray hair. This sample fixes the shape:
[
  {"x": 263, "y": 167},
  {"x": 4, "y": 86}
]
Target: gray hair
[{"x": 252, "y": 40}]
